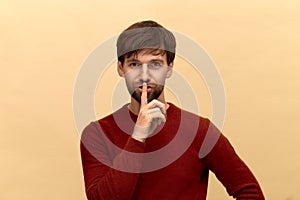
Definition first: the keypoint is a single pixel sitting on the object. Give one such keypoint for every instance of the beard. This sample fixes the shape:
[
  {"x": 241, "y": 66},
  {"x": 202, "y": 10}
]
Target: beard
[{"x": 153, "y": 94}]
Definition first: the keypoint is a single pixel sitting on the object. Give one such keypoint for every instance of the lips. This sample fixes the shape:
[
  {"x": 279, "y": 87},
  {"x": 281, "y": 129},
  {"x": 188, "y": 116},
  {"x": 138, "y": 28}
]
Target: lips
[{"x": 148, "y": 87}]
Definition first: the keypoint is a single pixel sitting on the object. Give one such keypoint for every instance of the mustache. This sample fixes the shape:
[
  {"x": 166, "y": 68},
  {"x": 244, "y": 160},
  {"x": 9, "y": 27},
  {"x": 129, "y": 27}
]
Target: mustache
[
  {"x": 141, "y": 87},
  {"x": 150, "y": 85}
]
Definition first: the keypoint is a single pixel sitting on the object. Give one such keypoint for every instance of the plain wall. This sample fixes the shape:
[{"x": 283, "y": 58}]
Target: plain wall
[{"x": 254, "y": 44}]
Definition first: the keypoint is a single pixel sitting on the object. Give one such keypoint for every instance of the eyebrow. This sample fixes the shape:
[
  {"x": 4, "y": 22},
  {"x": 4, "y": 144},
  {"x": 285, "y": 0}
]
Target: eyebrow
[
  {"x": 152, "y": 60},
  {"x": 157, "y": 60},
  {"x": 133, "y": 60}
]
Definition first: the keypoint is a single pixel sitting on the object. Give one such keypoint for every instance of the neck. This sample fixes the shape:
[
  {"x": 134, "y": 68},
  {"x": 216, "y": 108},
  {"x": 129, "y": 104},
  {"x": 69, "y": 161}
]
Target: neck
[{"x": 134, "y": 106}]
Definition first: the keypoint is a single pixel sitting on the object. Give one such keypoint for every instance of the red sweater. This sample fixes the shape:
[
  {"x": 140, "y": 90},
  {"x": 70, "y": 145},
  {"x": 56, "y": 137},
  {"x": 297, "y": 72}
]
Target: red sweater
[{"x": 184, "y": 178}]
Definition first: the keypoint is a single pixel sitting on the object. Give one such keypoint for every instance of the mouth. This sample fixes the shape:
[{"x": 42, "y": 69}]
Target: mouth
[{"x": 148, "y": 87}]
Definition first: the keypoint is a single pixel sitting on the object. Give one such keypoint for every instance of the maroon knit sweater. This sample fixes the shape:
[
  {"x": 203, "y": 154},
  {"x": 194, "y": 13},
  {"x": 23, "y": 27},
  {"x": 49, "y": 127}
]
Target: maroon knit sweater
[{"x": 184, "y": 178}]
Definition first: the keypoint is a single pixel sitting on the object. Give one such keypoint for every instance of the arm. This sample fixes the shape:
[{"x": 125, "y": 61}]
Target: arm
[
  {"x": 102, "y": 181},
  {"x": 231, "y": 170}
]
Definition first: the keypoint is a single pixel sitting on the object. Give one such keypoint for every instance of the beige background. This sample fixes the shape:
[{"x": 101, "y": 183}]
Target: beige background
[{"x": 255, "y": 45}]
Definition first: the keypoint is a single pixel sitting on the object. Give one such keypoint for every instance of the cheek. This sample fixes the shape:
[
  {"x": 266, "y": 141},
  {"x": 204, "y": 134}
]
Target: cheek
[
  {"x": 130, "y": 80},
  {"x": 159, "y": 77},
  {"x": 130, "y": 76}
]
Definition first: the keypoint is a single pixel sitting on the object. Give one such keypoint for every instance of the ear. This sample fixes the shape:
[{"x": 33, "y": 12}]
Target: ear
[
  {"x": 170, "y": 70},
  {"x": 120, "y": 69}
]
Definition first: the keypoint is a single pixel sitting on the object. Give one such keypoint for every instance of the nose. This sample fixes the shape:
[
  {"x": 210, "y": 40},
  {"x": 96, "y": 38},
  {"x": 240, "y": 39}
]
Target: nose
[{"x": 145, "y": 74}]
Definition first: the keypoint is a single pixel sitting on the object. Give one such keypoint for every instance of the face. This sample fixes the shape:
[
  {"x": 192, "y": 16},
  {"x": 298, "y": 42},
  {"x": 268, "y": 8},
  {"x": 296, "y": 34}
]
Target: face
[{"x": 146, "y": 67}]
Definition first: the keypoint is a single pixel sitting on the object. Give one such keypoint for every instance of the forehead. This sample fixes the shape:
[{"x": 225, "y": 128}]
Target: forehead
[{"x": 145, "y": 55}]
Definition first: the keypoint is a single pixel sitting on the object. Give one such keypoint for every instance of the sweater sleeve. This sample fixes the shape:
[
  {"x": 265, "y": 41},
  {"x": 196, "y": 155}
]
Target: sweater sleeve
[
  {"x": 102, "y": 180},
  {"x": 231, "y": 171}
]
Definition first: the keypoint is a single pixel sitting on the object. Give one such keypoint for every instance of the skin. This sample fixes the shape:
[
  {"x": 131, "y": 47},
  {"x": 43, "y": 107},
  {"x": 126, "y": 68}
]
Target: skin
[{"x": 146, "y": 87}]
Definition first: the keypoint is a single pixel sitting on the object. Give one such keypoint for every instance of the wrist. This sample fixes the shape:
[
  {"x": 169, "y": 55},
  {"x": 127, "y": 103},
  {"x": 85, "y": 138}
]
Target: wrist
[
  {"x": 138, "y": 139},
  {"x": 140, "y": 133}
]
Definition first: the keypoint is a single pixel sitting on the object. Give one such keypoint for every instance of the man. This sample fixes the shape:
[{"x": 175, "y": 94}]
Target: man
[{"x": 119, "y": 152}]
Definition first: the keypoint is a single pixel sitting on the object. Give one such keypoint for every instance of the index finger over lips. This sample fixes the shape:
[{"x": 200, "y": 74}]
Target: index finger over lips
[{"x": 144, "y": 100}]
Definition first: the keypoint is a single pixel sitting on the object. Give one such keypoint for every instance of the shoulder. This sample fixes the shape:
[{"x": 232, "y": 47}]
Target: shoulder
[
  {"x": 95, "y": 127},
  {"x": 205, "y": 133}
]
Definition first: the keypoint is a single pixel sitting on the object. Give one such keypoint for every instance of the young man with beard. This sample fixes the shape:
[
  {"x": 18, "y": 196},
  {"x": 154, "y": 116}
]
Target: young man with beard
[{"x": 123, "y": 154}]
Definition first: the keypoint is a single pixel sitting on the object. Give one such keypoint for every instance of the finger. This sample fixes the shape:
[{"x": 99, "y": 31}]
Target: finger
[
  {"x": 157, "y": 115},
  {"x": 155, "y": 103},
  {"x": 144, "y": 100},
  {"x": 155, "y": 110},
  {"x": 159, "y": 121}
]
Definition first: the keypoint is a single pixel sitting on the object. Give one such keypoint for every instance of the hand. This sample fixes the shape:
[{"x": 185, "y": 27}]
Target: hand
[{"x": 150, "y": 116}]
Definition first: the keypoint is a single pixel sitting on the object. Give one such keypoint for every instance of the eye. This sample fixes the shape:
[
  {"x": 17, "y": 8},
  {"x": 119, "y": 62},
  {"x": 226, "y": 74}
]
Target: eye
[
  {"x": 134, "y": 64},
  {"x": 155, "y": 65}
]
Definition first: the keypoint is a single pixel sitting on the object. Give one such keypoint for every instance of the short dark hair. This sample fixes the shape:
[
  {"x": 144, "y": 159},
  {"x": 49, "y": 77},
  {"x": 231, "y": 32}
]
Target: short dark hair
[{"x": 146, "y": 35}]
